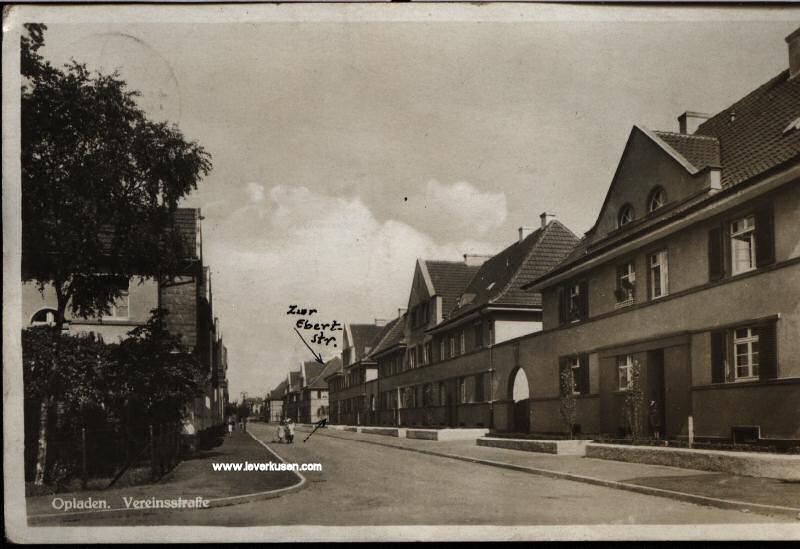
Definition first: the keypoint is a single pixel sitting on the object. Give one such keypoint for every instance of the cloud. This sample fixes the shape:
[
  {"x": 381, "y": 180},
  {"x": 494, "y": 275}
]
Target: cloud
[
  {"x": 298, "y": 246},
  {"x": 455, "y": 209},
  {"x": 255, "y": 192}
]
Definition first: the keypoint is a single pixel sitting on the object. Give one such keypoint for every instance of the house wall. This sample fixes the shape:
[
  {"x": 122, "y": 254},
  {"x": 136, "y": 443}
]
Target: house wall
[
  {"x": 688, "y": 316},
  {"x": 180, "y": 300}
]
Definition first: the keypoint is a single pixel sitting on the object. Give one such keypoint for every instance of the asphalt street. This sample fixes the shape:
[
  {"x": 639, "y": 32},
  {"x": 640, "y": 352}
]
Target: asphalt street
[{"x": 366, "y": 484}]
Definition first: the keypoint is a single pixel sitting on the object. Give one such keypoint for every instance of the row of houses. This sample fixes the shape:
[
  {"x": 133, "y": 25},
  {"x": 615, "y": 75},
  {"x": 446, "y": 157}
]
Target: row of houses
[
  {"x": 689, "y": 276},
  {"x": 188, "y": 301},
  {"x": 303, "y": 395}
]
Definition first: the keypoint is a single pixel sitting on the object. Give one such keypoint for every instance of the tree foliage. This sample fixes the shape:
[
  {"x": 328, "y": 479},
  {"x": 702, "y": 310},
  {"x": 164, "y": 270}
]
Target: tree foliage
[
  {"x": 99, "y": 183},
  {"x": 634, "y": 402}
]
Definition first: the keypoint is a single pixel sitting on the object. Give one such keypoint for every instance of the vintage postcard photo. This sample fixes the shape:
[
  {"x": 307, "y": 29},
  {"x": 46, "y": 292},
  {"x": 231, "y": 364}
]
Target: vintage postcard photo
[{"x": 346, "y": 272}]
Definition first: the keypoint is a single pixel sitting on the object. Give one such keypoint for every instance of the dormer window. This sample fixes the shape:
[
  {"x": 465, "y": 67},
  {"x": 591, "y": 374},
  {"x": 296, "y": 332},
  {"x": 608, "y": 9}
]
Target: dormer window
[
  {"x": 657, "y": 199},
  {"x": 625, "y": 215}
]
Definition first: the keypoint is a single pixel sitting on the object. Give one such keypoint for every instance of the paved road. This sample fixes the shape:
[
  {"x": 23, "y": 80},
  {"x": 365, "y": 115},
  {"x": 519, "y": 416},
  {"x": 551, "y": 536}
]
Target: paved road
[{"x": 365, "y": 484}]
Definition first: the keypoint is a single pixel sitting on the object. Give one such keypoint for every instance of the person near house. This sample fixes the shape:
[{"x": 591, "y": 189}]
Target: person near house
[
  {"x": 655, "y": 420},
  {"x": 244, "y": 423},
  {"x": 290, "y": 430},
  {"x": 230, "y": 426},
  {"x": 280, "y": 433}
]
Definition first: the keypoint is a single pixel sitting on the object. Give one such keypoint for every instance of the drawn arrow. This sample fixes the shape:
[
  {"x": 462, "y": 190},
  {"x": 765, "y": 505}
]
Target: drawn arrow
[
  {"x": 317, "y": 357},
  {"x": 317, "y": 425}
]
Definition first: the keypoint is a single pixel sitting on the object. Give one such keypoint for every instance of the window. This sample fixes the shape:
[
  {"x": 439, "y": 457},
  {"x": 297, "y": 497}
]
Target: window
[
  {"x": 573, "y": 363},
  {"x": 573, "y": 302},
  {"x": 442, "y": 394},
  {"x": 625, "y": 215},
  {"x": 479, "y": 387},
  {"x": 319, "y": 394},
  {"x": 578, "y": 365},
  {"x": 441, "y": 349},
  {"x": 743, "y": 245},
  {"x": 657, "y": 265},
  {"x": 121, "y": 307},
  {"x": 44, "y": 317},
  {"x": 657, "y": 199},
  {"x": 626, "y": 283},
  {"x": 462, "y": 389},
  {"x": 462, "y": 345},
  {"x": 745, "y": 353},
  {"x": 452, "y": 345},
  {"x": 478, "y": 335},
  {"x": 624, "y": 365},
  {"x": 411, "y": 357}
]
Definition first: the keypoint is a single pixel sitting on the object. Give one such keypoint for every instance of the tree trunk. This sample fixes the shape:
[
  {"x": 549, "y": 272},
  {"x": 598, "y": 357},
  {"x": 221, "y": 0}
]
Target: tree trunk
[
  {"x": 44, "y": 405},
  {"x": 41, "y": 454}
]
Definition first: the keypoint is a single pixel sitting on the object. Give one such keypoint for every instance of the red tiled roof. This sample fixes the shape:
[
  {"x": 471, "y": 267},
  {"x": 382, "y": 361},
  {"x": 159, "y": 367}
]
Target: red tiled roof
[
  {"x": 751, "y": 131},
  {"x": 449, "y": 278},
  {"x": 701, "y": 151}
]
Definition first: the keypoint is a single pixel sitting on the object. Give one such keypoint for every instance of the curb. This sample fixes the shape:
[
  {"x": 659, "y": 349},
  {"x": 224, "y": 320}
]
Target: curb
[
  {"x": 646, "y": 490},
  {"x": 212, "y": 503}
]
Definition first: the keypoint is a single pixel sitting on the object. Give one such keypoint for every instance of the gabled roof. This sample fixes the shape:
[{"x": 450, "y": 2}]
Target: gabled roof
[
  {"x": 295, "y": 380},
  {"x": 500, "y": 279},
  {"x": 449, "y": 278},
  {"x": 699, "y": 150},
  {"x": 751, "y": 131},
  {"x": 363, "y": 337},
  {"x": 277, "y": 392},
  {"x": 390, "y": 336},
  {"x": 330, "y": 367},
  {"x": 185, "y": 221},
  {"x": 311, "y": 369}
]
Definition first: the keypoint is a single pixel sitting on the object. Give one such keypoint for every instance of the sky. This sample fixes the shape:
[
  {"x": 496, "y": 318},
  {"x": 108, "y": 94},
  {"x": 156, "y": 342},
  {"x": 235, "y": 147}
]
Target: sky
[{"x": 344, "y": 150}]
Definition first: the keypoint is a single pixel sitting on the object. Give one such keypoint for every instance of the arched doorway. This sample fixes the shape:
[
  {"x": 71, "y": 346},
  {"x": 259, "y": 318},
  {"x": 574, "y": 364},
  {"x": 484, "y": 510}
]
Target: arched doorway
[{"x": 520, "y": 395}]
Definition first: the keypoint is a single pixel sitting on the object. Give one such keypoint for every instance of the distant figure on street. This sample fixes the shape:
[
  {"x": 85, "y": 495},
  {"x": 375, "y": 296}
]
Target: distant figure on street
[
  {"x": 290, "y": 430},
  {"x": 230, "y": 426},
  {"x": 655, "y": 420},
  {"x": 244, "y": 424},
  {"x": 280, "y": 432}
]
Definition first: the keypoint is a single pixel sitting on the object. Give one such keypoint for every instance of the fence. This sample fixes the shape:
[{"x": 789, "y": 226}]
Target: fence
[{"x": 106, "y": 453}]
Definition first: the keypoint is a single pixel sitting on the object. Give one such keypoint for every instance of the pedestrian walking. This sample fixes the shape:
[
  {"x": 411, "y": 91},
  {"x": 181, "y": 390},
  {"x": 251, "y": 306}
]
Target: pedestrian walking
[
  {"x": 280, "y": 432},
  {"x": 230, "y": 426},
  {"x": 244, "y": 424},
  {"x": 290, "y": 430},
  {"x": 654, "y": 418}
]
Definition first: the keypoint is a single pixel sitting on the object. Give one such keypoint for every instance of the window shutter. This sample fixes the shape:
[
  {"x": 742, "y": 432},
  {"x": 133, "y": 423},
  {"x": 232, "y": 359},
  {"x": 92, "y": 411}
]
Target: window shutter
[
  {"x": 718, "y": 356},
  {"x": 584, "y": 299},
  {"x": 562, "y": 366},
  {"x": 767, "y": 351},
  {"x": 583, "y": 375},
  {"x": 716, "y": 257},
  {"x": 765, "y": 236},
  {"x": 562, "y": 306}
]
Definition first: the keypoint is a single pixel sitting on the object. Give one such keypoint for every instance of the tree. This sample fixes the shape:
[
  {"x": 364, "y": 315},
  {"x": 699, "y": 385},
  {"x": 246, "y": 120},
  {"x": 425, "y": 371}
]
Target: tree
[
  {"x": 569, "y": 403},
  {"x": 100, "y": 182},
  {"x": 634, "y": 400}
]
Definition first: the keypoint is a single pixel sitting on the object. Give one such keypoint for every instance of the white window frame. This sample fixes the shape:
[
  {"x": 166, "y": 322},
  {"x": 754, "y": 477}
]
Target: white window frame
[
  {"x": 657, "y": 196},
  {"x": 463, "y": 390},
  {"x": 624, "y": 364},
  {"x": 750, "y": 337},
  {"x": 660, "y": 261},
  {"x": 574, "y": 302},
  {"x": 114, "y": 312},
  {"x": 630, "y": 276},
  {"x": 452, "y": 345},
  {"x": 462, "y": 343},
  {"x": 574, "y": 363},
  {"x": 426, "y": 358},
  {"x": 741, "y": 230},
  {"x": 412, "y": 356},
  {"x": 623, "y": 219},
  {"x": 442, "y": 349}
]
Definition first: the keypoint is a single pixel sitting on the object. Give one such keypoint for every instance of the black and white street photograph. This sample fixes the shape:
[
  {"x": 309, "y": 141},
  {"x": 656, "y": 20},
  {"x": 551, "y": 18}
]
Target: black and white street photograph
[{"x": 401, "y": 272}]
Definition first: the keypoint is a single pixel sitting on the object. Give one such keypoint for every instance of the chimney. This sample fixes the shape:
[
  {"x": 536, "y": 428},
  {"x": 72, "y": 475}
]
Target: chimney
[
  {"x": 401, "y": 311},
  {"x": 524, "y": 232},
  {"x": 688, "y": 121},
  {"x": 475, "y": 260},
  {"x": 543, "y": 216},
  {"x": 794, "y": 53}
]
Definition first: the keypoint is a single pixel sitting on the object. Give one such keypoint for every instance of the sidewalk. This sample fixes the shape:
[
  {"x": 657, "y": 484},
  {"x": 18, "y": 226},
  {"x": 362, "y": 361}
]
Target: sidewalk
[
  {"x": 191, "y": 479},
  {"x": 759, "y": 495}
]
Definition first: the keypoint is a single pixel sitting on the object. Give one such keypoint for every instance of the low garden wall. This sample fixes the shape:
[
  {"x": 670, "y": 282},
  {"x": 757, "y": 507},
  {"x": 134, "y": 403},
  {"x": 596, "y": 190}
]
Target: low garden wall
[
  {"x": 387, "y": 431},
  {"x": 751, "y": 464},
  {"x": 562, "y": 447},
  {"x": 446, "y": 434}
]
